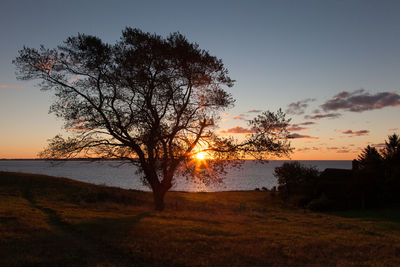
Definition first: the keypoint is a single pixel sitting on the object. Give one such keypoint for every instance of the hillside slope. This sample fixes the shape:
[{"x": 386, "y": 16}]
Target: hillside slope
[{"x": 54, "y": 221}]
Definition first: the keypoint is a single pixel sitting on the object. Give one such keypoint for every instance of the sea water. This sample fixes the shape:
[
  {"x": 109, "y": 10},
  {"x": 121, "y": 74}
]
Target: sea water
[{"x": 113, "y": 173}]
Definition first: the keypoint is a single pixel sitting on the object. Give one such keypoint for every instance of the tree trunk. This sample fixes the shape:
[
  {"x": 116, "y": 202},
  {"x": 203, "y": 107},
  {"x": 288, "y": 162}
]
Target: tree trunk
[
  {"x": 158, "y": 195},
  {"x": 159, "y": 188},
  {"x": 159, "y": 192}
]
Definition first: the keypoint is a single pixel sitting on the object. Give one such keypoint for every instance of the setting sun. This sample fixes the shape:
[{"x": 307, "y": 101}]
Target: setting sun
[{"x": 201, "y": 156}]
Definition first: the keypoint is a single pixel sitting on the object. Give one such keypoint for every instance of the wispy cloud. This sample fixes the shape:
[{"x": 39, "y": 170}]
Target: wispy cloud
[
  {"x": 237, "y": 130},
  {"x": 296, "y": 127},
  {"x": 299, "y": 107},
  {"x": 300, "y": 136},
  {"x": 225, "y": 116},
  {"x": 307, "y": 123},
  {"x": 360, "y": 100},
  {"x": 254, "y": 111},
  {"x": 323, "y": 116},
  {"x": 380, "y": 145},
  {"x": 242, "y": 117},
  {"x": 342, "y": 149},
  {"x": 302, "y": 149},
  {"x": 332, "y": 148},
  {"x": 356, "y": 133}
]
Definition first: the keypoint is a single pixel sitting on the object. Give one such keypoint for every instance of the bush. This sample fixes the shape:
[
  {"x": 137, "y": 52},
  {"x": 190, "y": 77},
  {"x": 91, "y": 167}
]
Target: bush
[
  {"x": 296, "y": 179},
  {"x": 339, "y": 186},
  {"x": 323, "y": 203}
]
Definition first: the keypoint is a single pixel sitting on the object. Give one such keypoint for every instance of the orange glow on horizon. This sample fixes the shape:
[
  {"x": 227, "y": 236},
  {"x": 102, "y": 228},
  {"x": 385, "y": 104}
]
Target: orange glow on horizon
[
  {"x": 203, "y": 156},
  {"x": 29, "y": 149}
]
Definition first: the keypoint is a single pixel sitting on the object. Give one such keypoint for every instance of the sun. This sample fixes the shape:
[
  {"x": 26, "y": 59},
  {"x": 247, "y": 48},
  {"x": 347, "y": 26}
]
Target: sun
[{"x": 201, "y": 156}]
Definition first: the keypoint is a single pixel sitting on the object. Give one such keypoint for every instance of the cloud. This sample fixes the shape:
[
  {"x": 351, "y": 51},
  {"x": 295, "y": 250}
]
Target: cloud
[
  {"x": 379, "y": 145},
  {"x": 342, "y": 149},
  {"x": 237, "y": 130},
  {"x": 240, "y": 117},
  {"x": 360, "y": 100},
  {"x": 298, "y": 108},
  {"x": 254, "y": 111},
  {"x": 225, "y": 116},
  {"x": 322, "y": 116},
  {"x": 300, "y": 136},
  {"x": 332, "y": 148},
  {"x": 307, "y": 123},
  {"x": 356, "y": 133},
  {"x": 9, "y": 86},
  {"x": 302, "y": 149},
  {"x": 296, "y": 127}
]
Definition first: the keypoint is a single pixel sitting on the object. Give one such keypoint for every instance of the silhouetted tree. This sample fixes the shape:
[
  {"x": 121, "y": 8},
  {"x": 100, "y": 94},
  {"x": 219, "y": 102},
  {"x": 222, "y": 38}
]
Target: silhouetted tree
[
  {"x": 391, "y": 156},
  {"x": 369, "y": 158},
  {"x": 151, "y": 100},
  {"x": 369, "y": 177},
  {"x": 391, "y": 150},
  {"x": 296, "y": 179}
]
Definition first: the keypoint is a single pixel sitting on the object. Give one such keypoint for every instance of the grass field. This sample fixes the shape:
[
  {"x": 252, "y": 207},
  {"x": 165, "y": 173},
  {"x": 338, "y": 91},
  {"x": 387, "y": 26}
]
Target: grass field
[{"x": 47, "y": 221}]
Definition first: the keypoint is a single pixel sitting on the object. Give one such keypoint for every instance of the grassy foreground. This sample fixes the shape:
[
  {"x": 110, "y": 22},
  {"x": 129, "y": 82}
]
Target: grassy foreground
[{"x": 47, "y": 221}]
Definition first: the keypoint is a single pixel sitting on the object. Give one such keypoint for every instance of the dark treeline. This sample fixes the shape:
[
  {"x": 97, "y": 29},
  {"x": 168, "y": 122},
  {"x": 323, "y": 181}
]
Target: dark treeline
[{"x": 374, "y": 181}]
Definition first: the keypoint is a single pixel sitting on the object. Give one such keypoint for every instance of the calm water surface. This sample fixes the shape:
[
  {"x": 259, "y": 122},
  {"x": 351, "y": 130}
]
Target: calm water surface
[{"x": 252, "y": 174}]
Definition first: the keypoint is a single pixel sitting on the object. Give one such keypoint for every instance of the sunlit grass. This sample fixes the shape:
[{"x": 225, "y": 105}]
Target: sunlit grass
[{"x": 52, "y": 221}]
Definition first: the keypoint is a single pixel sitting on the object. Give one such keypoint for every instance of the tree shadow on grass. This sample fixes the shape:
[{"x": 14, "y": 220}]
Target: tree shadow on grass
[{"x": 91, "y": 243}]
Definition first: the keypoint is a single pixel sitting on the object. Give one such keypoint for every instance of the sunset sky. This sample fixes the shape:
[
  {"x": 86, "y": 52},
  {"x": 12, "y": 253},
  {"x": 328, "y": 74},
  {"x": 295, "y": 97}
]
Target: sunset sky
[{"x": 333, "y": 66}]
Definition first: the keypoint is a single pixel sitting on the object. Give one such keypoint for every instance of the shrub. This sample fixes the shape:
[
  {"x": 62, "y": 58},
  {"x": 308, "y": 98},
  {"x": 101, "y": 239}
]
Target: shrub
[
  {"x": 323, "y": 203},
  {"x": 296, "y": 179},
  {"x": 339, "y": 186}
]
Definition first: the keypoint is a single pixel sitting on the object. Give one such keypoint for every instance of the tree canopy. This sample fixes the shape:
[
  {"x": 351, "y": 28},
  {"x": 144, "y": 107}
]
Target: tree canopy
[
  {"x": 150, "y": 100},
  {"x": 391, "y": 150},
  {"x": 369, "y": 158}
]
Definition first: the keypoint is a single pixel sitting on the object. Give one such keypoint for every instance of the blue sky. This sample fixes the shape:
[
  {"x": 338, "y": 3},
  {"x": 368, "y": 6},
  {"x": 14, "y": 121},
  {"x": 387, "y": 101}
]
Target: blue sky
[{"x": 279, "y": 52}]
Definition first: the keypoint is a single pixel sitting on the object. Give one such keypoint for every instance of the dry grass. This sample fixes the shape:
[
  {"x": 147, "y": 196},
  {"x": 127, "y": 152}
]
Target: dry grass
[{"x": 52, "y": 221}]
